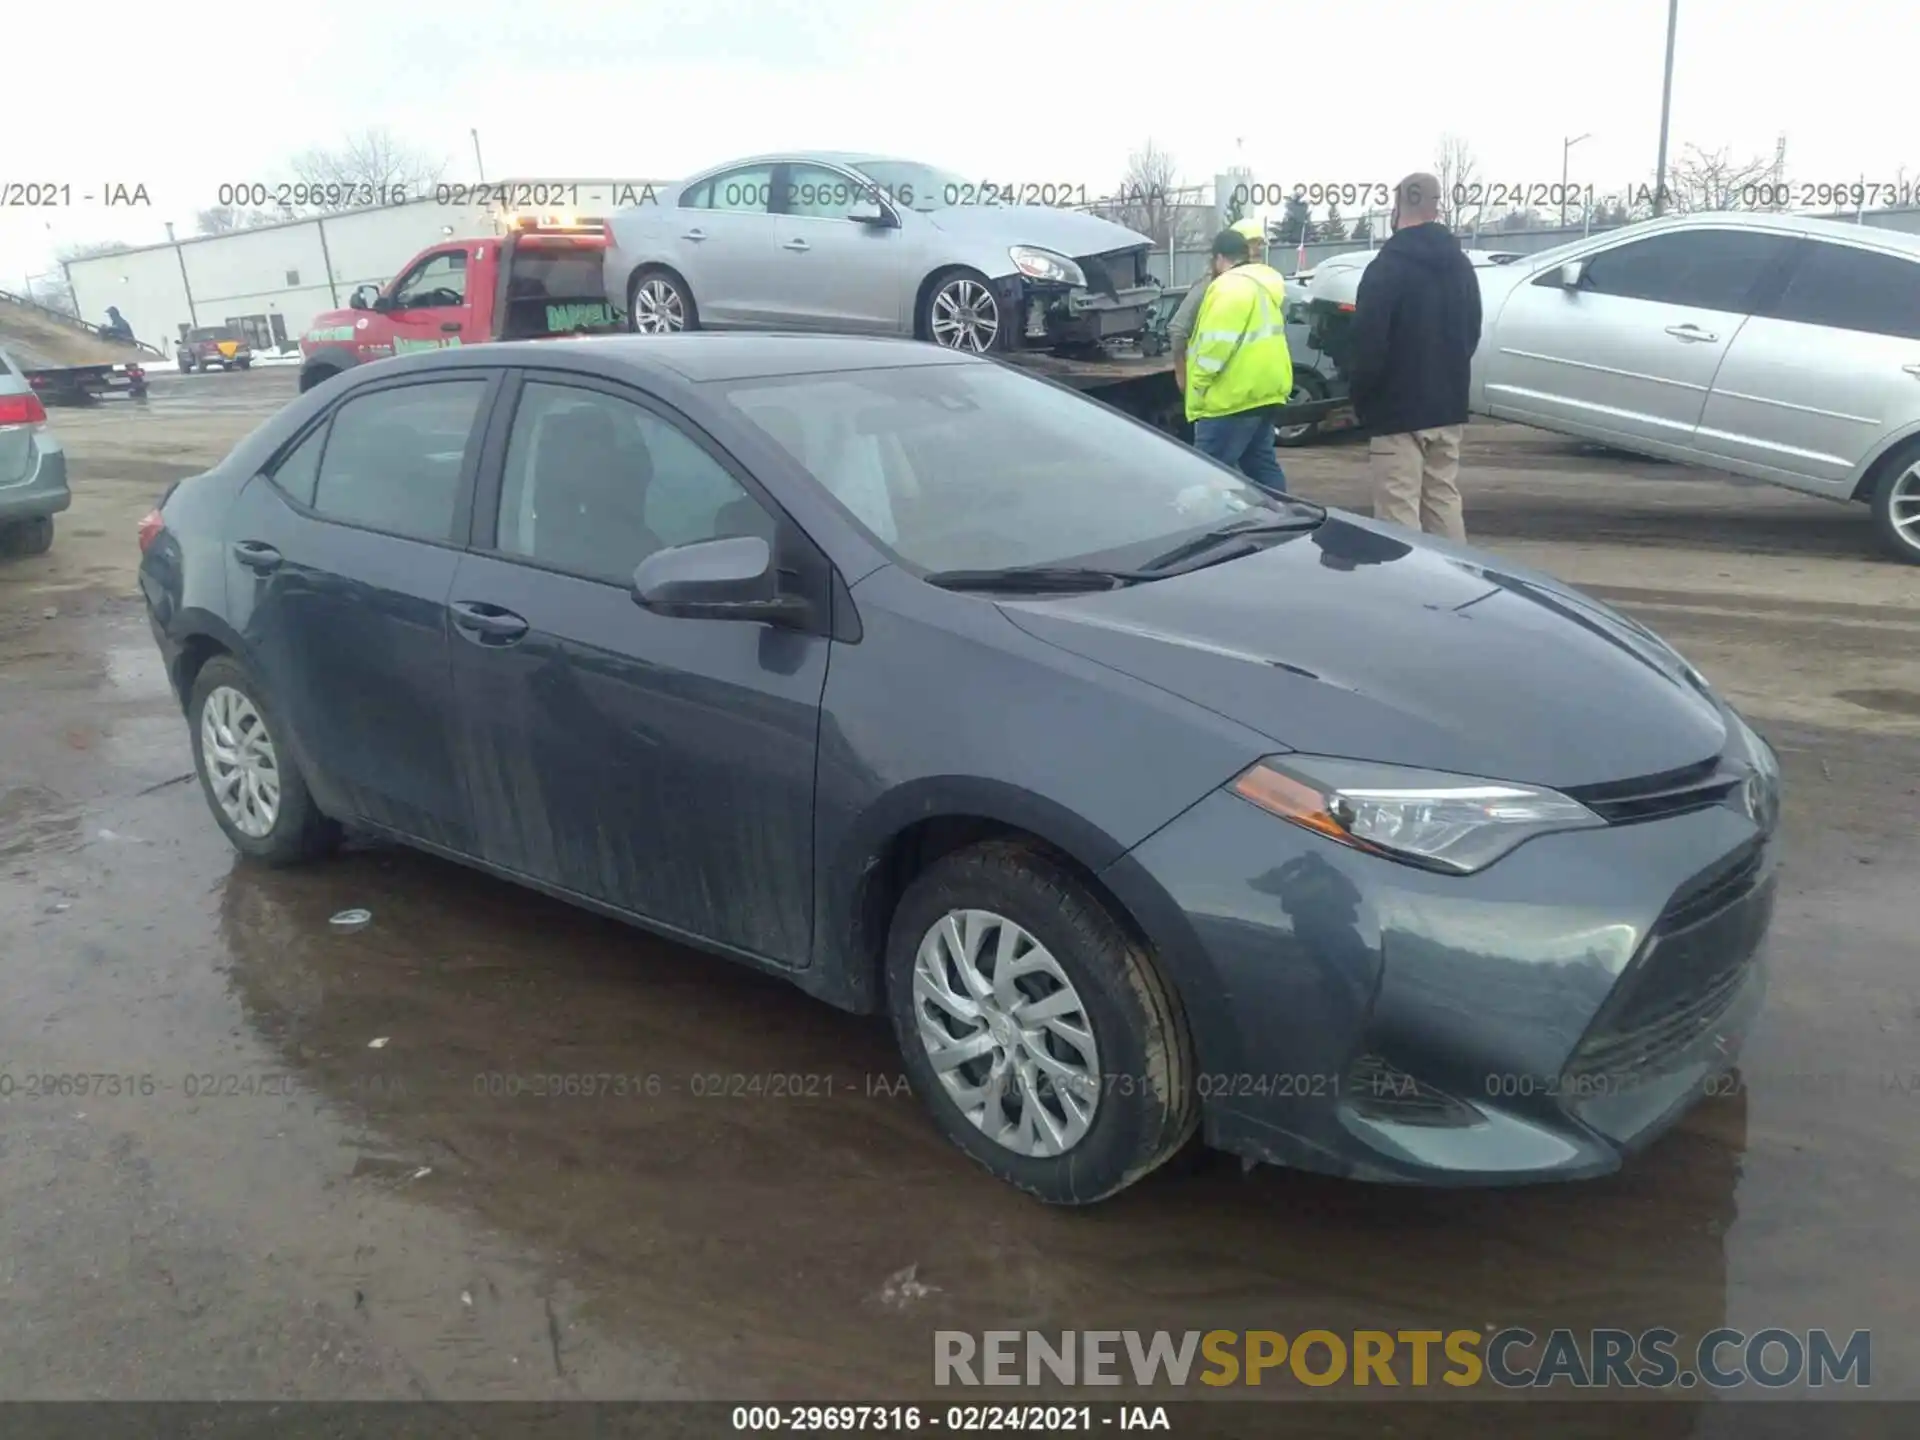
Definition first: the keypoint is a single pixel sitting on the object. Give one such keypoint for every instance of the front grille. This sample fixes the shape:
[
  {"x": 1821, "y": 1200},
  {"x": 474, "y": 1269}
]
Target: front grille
[
  {"x": 1686, "y": 975},
  {"x": 1659, "y": 797},
  {"x": 1377, "y": 1089}
]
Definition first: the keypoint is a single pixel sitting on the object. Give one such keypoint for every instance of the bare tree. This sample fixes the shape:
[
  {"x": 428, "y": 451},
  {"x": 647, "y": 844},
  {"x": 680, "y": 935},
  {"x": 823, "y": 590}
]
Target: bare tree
[
  {"x": 1151, "y": 199},
  {"x": 225, "y": 219},
  {"x": 1711, "y": 180},
  {"x": 369, "y": 167},
  {"x": 1457, "y": 170}
]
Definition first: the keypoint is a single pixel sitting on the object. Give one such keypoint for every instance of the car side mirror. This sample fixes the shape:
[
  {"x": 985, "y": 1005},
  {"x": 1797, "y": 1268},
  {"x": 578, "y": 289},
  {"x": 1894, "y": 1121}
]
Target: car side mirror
[
  {"x": 730, "y": 579},
  {"x": 1571, "y": 273},
  {"x": 872, "y": 213}
]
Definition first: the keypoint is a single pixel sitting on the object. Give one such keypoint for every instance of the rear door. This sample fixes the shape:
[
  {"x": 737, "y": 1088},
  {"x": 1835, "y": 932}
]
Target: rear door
[
  {"x": 1826, "y": 371},
  {"x": 663, "y": 766},
  {"x": 1631, "y": 353},
  {"x": 430, "y": 309},
  {"x": 723, "y": 244},
  {"x": 340, "y": 560},
  {"x": 833, "y": 273}
]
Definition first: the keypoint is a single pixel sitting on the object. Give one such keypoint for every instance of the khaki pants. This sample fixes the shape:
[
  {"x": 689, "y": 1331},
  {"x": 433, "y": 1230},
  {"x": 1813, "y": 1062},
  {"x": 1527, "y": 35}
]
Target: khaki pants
[{"x": 1416, "y": 480}]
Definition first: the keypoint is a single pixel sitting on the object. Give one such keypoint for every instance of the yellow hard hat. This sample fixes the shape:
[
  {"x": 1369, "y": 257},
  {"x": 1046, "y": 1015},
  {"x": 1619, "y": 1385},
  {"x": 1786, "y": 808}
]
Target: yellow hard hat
[{"x": 1253, "y": 230}]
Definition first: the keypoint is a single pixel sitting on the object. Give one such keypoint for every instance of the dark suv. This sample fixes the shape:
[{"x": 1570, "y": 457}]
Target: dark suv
[{"x": 214, "y": 345}]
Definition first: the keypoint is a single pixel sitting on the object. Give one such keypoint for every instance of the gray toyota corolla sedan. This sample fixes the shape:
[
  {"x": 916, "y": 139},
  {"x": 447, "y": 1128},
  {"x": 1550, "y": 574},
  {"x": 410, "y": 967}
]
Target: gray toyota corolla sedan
[{"x": 1143, "y": 802}]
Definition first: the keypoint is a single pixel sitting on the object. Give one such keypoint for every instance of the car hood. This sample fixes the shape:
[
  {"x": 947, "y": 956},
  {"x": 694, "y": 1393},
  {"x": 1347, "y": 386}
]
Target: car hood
[
  {"x": 1065, "y": 231},
  {"x": 1353, "y": 642}
]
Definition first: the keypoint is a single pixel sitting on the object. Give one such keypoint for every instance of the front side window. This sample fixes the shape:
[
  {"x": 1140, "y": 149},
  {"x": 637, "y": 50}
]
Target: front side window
[
  {"x": 974, "y": 466},
  {"x": 1847, "y": 288},
  {"x": 1703, "y": 269},
  {"x": 594, "y": 484},
  {"x": 438, "y": 281},
  {"x": 393, "y": 460}
]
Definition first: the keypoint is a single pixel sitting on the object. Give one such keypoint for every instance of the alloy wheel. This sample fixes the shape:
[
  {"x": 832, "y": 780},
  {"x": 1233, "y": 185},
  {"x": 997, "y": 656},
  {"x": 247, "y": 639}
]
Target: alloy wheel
[
  {"x": 1284, "y": 433},
  {"x": 657, "y": 308},
  {"x": 243, "y": 770},
  {"x": 1008, "y": 1035},
  {"x": 965, "y": 316},
  {"x": 1903, "y": 507}
]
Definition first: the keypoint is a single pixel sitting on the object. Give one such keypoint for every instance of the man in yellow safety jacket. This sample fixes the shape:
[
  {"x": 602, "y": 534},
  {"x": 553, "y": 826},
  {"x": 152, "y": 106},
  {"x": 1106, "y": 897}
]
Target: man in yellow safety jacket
[{"x": 1238, "y": 368}]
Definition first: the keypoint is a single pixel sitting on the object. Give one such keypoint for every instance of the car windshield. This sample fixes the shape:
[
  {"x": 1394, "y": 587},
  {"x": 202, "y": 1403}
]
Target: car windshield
[
  {"x": 918, "y": 187},
  {"x": 979, "y": 467}
]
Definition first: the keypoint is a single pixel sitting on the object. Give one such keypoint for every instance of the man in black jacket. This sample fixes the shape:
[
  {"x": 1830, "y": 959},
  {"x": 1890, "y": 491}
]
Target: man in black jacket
[{"x": 1416, "y": 323}]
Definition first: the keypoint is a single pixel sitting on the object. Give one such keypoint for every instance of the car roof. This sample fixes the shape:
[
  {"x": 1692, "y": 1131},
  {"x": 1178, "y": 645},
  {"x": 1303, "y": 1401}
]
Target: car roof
[
  {"x": 701, "y": 356},
  {"x": 846, "y": 159}
]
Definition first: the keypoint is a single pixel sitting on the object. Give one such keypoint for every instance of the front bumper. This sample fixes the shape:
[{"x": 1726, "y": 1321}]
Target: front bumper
[
  {"x": 1047, "y": 315},
  {"x": 1538, "y": 1021},
  {"x": 38, "y": 470}
]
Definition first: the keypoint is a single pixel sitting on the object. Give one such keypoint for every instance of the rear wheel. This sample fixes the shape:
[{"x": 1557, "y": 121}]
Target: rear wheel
[
  {"x": 1039, "y": 1033},
  {"x": 250, "y": 779},
  {"x": 242, "y": 364},
  {"x": 30, "y": 537},
  {"x": 1307, "y": 387},
  {"x": 659, "y": 303},
  {"x": 1896, "y": 507}
]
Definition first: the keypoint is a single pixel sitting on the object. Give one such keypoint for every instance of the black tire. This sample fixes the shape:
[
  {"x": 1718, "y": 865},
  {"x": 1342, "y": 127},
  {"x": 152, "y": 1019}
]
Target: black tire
[
  {"x": 316, "y": 375},
  {"x": 29, "y": 537},
  {"x": 1899, "y": 487},
  {"x": 949, "y": 280},
  {"x": 243, "y": 364},
  {"x": 299, "y": 832},
  {"x": 186, "y": 366},
  {"x": 664, "y": 280},
  {"x": 1307, "y": 386},
  {"x": 1146, "y": 1108}
]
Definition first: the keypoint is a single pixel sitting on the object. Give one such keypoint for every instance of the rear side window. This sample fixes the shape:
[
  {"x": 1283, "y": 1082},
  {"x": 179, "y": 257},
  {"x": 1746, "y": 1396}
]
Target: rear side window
[
  {"x": 393, "y": 459},
  {"x": 1849, "y": 289},
  {"x": 299, "y": 469},
  {"x": 1705, "y": 269}
]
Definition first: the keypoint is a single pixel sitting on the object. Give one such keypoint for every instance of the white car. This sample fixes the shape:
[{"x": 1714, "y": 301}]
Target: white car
[{"x": 1778, "y": 347}]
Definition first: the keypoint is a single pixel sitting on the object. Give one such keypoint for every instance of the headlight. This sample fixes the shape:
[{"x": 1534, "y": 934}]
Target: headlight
[
  {"x": 1045, "y": 265},
  {"x": 1453, "y": 823}
]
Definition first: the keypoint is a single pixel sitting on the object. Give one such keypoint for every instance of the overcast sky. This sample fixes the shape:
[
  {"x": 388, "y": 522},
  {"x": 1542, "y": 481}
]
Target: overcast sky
[{"x": 183, "y": 95}]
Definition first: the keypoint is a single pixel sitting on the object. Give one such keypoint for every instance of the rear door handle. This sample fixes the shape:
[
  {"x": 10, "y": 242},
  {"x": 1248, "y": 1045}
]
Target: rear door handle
[
  {"x": 488, "y": 622},
  {"x": 694, "y": 235},
  {"x": 451, "y": 326},
  {"x": 1690, "y": 332},
  {"x": 796, "y": 245},
  {"x": 257, "y": 555}
]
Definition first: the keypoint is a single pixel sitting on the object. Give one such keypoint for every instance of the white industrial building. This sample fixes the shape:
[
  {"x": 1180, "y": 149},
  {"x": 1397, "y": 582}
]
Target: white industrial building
[{"x": 270, "y": 281}]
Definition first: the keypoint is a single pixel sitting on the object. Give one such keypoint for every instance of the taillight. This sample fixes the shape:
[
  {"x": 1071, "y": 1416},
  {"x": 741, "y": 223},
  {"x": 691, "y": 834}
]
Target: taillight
[
  {"x": 136, "y": 372},
  {"x": 22, "y": 410},
  {"x": 150, "y": 527}
]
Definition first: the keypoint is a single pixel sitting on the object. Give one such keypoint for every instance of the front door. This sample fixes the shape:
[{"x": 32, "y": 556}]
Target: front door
[
  {"x": 1824, "y": 372},
  {"x": 663, "y": 766},
  {"x": 429, "y": 309},
  {"x": 1629, "y": 354},
  {"x": 833, "y": 273},
  {"x": 340, "y": 561}
]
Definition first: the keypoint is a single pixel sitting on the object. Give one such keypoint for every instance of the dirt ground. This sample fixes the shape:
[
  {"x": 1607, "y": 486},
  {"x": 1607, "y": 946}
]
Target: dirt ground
[{"x": 349, "y": 1219}]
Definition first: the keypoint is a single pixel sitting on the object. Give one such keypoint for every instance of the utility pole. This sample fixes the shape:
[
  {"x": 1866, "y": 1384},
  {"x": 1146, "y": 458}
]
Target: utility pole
[
  {"x": 482, "y": 169},
  {"x": 1565, "y": 146},
  {"x": 1666, "y": 110},
  {"x": 186, "y": 285}
]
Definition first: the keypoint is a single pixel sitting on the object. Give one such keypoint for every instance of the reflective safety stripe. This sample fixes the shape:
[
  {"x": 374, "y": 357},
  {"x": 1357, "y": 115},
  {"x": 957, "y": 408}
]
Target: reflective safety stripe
[{"x": 1202, "y": 362}]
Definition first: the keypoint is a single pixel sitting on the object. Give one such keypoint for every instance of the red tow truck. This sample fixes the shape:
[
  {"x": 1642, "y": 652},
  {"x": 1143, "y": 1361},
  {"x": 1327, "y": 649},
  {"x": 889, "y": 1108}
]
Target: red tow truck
[{"x": 542, "y": 278}]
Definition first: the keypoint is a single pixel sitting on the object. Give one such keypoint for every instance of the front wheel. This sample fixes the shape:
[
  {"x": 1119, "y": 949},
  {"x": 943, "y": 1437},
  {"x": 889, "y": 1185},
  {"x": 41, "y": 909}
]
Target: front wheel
[
  {"x": 251, "y": 782},
  {"x": 659, "y": 303},
  {"x": 1039, "y": 1033},
  {"x": 1896, "y": 508},
  {"x": 243, "y": 364},
  {"x": 961, "y": 312}
]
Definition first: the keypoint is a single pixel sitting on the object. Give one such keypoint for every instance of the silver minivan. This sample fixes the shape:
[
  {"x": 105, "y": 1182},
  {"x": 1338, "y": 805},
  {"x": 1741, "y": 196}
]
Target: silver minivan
[{"x": 1773, "y": 346}]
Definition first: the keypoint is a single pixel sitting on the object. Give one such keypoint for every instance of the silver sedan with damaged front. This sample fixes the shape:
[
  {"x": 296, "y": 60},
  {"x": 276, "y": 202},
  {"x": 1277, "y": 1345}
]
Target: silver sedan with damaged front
[{"x": 857, "y": 244}]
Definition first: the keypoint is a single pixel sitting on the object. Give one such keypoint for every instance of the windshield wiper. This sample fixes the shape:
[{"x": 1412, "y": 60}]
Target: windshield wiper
[
  {"x": 1237, "y": 530},
  {"x": 1061, "y": 578}
]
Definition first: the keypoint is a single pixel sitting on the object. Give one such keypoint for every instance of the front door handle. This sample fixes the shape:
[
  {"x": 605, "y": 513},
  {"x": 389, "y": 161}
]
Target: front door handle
[
  {"x": 452, "y": 327},
  {"x": 694, "y": 235},
  {"x": 488, "y": 622},
  {"x": 1690, "y": 332},
  {"x": 796, "y": 245},
  {"x": 257, "y": 555}
]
